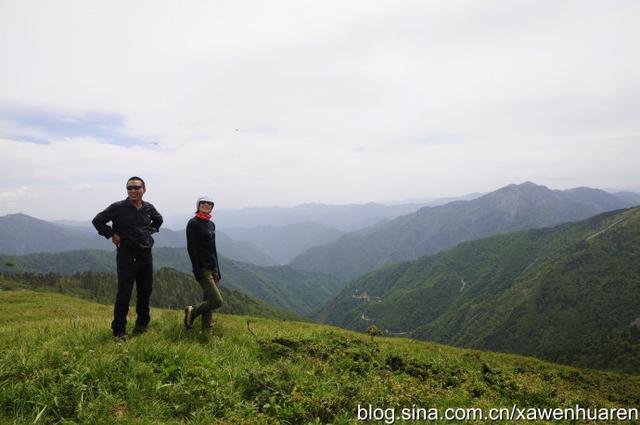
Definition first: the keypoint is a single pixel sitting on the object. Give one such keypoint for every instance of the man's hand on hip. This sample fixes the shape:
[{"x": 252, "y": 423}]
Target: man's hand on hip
[{"x": 115, "y": 239}]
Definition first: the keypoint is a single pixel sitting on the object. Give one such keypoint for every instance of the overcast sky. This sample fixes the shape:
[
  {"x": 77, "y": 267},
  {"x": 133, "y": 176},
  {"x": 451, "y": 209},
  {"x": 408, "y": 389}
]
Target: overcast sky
[{"x": 284, "y": 102}]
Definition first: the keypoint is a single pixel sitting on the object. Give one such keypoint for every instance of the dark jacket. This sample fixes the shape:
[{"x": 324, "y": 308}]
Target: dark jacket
[
  {"x": 134, "y": 226},
  {"x": 201, "y": 244}
]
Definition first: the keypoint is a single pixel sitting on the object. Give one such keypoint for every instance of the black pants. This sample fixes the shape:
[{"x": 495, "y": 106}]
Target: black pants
[{"x": 133, "y": 266}]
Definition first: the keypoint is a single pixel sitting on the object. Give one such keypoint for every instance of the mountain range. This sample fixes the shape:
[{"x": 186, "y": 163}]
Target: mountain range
[
  {"x": 283, "y": 243},
  {"x": 433, "y": 229},
  {"x": 22, "y": 234},
  {"x": 346, "y": 218},
  {"x": 466, "y": 273},
  {"x": 568, "y": 294}
]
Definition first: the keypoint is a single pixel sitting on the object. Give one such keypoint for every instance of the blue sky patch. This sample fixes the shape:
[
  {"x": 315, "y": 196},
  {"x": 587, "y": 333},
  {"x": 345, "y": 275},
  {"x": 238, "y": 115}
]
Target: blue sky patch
[{"x": 42, "y": 127}]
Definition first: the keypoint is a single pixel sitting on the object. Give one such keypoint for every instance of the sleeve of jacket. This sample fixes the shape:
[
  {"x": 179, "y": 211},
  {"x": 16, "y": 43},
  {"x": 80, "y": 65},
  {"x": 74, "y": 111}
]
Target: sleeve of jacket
[
  {"x": 192, "y": 248},
  {"x": 215, "y": 253},
  {"x": 156, "y": 219},
  {"x": 102, "y": 218}
]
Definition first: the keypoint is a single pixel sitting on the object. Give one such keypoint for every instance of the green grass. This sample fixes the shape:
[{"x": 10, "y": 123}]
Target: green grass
[{"x": 59, "y": 364}]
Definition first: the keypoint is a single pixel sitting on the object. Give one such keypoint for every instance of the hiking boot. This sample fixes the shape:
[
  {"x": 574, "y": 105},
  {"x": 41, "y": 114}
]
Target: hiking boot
[
  {"x": 188, "y": 317},
  {"x": 139, "y": 329},
  {"x": 206, "y": 321},
  {"x": 122, "y": 337}
]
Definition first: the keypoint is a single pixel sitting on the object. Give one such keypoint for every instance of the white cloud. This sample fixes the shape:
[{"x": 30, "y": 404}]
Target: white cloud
[
  {"x": 330, "y": 99},
  {"x": 11, "y": 195}
]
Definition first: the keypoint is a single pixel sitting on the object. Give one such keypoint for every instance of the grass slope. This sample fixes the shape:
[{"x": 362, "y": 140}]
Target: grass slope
[
  {"x": 567, "y": 294},
  {"x": 58, "y": 364}
]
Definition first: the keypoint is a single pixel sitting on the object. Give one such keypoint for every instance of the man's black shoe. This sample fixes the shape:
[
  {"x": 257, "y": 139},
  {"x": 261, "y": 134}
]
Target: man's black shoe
[
  {"x": 122, "y": 337},
  {"x": 139, "y": 329}
]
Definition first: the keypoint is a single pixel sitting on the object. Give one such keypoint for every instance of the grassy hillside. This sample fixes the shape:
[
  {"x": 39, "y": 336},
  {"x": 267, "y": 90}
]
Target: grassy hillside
[
  {"x": 58, "y": 364},
  {"x": 171, "y": 289},
  {"x": 568, "y": 294},
  {"x": 280, "y": 286}
]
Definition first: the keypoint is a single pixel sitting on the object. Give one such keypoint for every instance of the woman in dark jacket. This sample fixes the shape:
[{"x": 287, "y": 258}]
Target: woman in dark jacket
[{"x": 201, "y": 244}]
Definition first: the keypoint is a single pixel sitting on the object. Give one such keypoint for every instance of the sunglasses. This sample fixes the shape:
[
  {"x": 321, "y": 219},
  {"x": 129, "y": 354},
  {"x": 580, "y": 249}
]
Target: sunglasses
[
  {"x": 207, "y": 203},
  {"x": 134, "y": 187}
]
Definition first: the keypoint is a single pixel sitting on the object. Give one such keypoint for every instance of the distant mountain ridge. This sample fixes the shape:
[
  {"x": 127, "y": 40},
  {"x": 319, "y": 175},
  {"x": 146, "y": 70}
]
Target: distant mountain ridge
[
  {"x": 432, "y": 229},
  {"x": 348, "y": 217},
  {"x": 569, "y": 294},
  {"x": 22, "y": 234},
  {"x": 283, "y": 243}
]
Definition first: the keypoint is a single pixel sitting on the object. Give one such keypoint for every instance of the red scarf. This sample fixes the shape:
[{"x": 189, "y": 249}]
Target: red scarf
[{"x": 203, "y": 216}]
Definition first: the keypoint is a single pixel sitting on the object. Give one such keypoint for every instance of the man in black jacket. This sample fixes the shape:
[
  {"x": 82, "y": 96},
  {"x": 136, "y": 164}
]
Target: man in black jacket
[{"x": 133, "y": 222}]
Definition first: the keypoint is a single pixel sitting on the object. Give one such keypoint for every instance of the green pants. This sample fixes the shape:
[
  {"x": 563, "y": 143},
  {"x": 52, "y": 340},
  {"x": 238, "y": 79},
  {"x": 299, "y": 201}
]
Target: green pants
[{"x": 212, "y": 298}]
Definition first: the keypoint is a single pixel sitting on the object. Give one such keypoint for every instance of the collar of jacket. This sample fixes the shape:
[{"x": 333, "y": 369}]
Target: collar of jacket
[{"x": 203, "y": 216}]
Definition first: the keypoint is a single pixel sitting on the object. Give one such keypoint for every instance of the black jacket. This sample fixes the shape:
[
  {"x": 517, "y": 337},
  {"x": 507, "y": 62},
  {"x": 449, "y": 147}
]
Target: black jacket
[
  {"x": 134, "y": 226},
  {"x": 201, "y": 244}
]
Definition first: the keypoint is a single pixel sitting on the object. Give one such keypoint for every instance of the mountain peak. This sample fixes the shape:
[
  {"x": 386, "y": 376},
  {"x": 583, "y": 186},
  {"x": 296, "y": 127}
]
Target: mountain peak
[
  {"x": 528, "y": 185},
  {"x": 430, "y": 230},
  {"x": 21, "y": 218},
  {"x": 18, "y": 215},
  {"x": 521, "y": 193}
]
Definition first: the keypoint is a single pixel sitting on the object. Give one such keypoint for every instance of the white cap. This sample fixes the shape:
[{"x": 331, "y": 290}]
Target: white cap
[{"x": 203, "y": 199}]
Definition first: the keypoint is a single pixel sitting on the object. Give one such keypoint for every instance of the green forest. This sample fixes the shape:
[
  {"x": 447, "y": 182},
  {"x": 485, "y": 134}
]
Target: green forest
[{"x": 567, "y": 294}]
